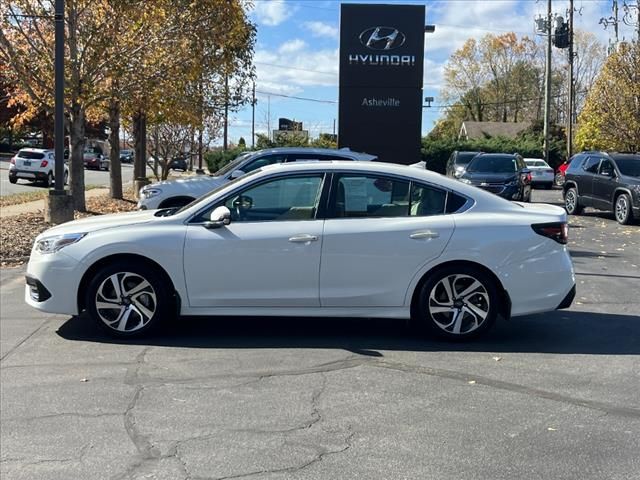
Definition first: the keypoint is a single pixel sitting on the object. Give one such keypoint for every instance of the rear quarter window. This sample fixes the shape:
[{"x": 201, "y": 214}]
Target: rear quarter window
[{"x": 455, "y": 202}]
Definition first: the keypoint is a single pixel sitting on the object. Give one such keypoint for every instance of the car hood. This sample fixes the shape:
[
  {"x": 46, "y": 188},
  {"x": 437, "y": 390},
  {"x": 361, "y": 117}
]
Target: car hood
[
  {"x": 483, "y": 177},
  {"x": 100, "y": 222}
]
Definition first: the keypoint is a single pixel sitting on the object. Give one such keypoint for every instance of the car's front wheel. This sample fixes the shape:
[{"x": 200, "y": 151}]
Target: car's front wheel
[
  {"x": 458, "y": 303},
  {"x": 571, "y": 202},
  {"x": 622, "y": 209},
  {"x": 13, "y": 179},
  {"x": 128, "y": 299}
]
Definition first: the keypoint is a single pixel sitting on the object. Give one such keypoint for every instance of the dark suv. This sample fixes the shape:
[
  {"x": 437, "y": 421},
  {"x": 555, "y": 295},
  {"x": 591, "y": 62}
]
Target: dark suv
[
  {"x": 504, "y": 174},
  {"x": 606, "y": 181}
]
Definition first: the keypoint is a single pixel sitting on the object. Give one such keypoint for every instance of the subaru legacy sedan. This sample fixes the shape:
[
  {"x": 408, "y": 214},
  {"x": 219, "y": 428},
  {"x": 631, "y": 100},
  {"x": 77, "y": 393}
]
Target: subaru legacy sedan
[{"x": 347, "y": 239}]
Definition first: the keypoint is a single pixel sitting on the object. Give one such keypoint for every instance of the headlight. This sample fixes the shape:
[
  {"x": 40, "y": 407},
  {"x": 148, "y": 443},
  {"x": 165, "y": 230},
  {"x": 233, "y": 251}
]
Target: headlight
[
  {"x": 56, "y": 242},
  {"x": 149, "y": 192},
  {"x": 465, "y": 180}
]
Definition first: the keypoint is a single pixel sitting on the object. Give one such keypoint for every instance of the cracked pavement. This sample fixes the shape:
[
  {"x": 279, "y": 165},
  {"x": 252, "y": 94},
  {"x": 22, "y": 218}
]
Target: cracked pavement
[{"x": 543, "y": 396}]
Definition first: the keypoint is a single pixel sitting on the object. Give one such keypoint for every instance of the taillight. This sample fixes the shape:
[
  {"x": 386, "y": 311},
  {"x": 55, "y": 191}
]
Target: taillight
[
  {"x": 528, "y": 177},
  {"x": 555, "y": 231},
  {"x": 13, "y": 160},
  {"x": 44, "y": 164}
]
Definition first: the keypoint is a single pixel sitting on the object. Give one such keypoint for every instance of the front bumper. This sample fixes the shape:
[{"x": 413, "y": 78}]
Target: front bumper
[{"x": 52, "y": 282}]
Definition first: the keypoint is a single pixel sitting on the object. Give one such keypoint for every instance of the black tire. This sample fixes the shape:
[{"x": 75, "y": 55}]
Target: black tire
[
  {"x": 157, "y": 298},
  {"x": 13, "y": 179},
  {"x": 548, "y": 186},
  {"x": 484, "y": 299},
  {"x": 622, "y": 209},
  {"x": 572, "y": 202},
  {"x": 176, "y": 202},
  {"x": 66, "y": 178},
  {"x": 49, "y": 181}
]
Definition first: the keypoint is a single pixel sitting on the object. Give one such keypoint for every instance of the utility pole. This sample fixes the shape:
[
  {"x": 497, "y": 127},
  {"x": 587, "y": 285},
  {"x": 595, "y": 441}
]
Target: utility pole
[
  {"x": 59, "y": 205},
  {"x": 226, "y": 112},
  {"x": 269, "y": 117},
  {"x": 253, "y": 116},
  {"x": 613, "y": 20},
  {"x": 628, "y": 16},
  {"x": 571, "y": 85},
  {"x": 547, "y": 87}
]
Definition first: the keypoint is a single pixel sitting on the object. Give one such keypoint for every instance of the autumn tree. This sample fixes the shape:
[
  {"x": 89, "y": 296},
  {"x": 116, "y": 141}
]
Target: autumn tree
[{"x": 610, "y": 119}]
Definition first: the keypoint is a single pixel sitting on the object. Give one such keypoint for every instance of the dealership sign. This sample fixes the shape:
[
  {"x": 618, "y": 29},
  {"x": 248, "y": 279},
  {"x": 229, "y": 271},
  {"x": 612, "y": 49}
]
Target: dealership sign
[{"x": 381, "y": 68}]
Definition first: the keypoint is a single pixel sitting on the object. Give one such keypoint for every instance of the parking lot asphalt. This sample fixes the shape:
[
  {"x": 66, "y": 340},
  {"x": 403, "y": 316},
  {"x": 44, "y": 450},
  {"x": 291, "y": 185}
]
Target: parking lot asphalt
[{"x": 547, "y": 396}]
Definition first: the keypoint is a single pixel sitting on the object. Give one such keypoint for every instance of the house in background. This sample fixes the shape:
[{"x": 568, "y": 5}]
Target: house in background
[{"x": 475, "y": 130}]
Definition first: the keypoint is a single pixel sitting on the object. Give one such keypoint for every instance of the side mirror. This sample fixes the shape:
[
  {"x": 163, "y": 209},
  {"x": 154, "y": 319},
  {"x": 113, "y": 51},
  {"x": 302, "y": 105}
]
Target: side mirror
[
  {"x": 220, "y": 217},
  {"x": 236, "y": 174}
]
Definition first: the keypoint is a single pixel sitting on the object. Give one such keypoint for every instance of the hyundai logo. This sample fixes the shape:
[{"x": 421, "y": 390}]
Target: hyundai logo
[{"x": 382, "y": 38}]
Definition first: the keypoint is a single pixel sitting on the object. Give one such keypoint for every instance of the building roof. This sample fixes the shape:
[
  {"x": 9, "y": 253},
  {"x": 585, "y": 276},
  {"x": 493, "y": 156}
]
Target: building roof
[{"x": 473, "y": 130}]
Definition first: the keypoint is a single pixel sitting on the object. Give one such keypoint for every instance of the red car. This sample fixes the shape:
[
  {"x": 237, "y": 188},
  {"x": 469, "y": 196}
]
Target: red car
[{"x": 560, "y": 173}]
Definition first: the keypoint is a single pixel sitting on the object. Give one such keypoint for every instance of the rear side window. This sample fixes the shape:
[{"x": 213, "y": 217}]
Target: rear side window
[
  {"x": 360, "y": 196},
  {"x": 591, "y": 164},
  {"x": 426, "y": 201},
  {"x": 31, "y": 155},
  {"x": 455, "y": 202}
]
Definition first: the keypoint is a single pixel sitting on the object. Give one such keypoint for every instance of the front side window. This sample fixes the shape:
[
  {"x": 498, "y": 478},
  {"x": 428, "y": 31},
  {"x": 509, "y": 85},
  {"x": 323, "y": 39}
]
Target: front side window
[{"x": 282, "y": 199}]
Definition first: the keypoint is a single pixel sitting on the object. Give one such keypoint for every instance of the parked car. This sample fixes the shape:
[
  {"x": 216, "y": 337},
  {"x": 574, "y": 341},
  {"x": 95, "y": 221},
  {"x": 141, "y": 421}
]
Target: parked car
[
  {"x": 504, "y": 174},
  {"x": 35, "y": 164},
  {"x": 561, "y": 172},
  {"x": 179, "y": 163},
  {"x": 541, "y": 173},
  {"x": 347, "y": 239},
  {"x": 605, "y": 181},
  {"x": 457, "y": 163},
  {"x": 126, "y": 156},
  {"x": 176, "y": 193},
  {"x": 95, "y": 160}
]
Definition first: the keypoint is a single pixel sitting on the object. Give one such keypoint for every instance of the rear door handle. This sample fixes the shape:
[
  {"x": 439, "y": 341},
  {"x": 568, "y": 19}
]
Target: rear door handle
[
  {"x": 424, "y": 234},
  {"x": 304, "y": 238}
]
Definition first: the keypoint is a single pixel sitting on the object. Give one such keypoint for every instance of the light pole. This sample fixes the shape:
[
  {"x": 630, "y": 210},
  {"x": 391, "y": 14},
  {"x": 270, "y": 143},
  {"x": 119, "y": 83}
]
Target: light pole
[
  {"x": 253, "y": 116},
  {"x": 59, "y": 205}
]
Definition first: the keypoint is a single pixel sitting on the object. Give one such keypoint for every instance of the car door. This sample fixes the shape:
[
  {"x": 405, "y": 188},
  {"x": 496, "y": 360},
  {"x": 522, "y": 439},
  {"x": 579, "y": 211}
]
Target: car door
[
  {"x": 585, "y": 179},
  {"x": 378, "y": 233},
  {"x": 268, "y": 256},
  {"x": 604, "y": 184}
]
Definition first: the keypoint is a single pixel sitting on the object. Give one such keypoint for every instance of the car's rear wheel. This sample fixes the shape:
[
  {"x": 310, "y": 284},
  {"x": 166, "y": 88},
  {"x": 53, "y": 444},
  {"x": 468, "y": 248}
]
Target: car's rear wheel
[
  {"x": 571, "y": 202},
  {"x": 128, "y": 299},
  {"x": 49, "y": 181},
  {"x": 622, "y": 209},
  {"x": 458, "y": 303},
  {"x": 13, "y": 179},
  {"x": 66, "y": 178}
]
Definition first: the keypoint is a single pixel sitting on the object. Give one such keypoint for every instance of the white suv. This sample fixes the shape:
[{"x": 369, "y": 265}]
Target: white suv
[
  {"x": 177, "y": 193},
  {"x": 35, "y": 164}
]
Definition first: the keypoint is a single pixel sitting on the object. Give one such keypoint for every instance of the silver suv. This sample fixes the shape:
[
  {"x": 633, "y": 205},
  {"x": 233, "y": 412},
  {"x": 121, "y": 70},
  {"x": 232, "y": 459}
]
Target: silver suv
[{"x": 176, "y": 193}]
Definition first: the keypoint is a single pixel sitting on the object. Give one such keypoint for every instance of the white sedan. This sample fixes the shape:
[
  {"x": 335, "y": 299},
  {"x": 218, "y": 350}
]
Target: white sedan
[
  {"x": 313, "y": 239},
  {"x": 541, "y": 172}
]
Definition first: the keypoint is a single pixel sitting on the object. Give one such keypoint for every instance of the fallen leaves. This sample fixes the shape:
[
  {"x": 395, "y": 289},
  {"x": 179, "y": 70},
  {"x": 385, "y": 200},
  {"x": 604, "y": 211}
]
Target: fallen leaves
[{"x": 18, "y": 232}]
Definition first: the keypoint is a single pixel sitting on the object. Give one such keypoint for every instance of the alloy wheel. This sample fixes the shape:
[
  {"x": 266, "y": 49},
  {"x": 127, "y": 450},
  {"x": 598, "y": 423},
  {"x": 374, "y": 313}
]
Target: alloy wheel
[
  {"x": 126, "y": 302},
  {"x": 622, "y": 209},
  {"x": 459, "y": 304},
  {"x": 570, "y": 201}
]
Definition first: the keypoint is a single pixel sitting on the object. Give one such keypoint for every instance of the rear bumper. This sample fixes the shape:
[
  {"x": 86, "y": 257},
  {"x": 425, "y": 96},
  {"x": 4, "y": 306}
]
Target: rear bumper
[{"x": 28, "y": 174}]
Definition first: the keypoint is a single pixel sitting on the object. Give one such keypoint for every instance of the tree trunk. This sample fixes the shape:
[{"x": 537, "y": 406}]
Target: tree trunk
[
  {"x": 76, "y": 170},
  {"x": 140, "y": 159},
  {"x": 115, "y": 170}
]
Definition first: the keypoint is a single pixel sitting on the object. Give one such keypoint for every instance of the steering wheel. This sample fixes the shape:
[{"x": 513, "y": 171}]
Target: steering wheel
[{"x": 241, "y": 204}]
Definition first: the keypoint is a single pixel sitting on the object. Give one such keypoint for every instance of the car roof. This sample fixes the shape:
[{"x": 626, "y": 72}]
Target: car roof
[
  {"x": 499, "y": 155},
  {"x": 330, "y": 151}
]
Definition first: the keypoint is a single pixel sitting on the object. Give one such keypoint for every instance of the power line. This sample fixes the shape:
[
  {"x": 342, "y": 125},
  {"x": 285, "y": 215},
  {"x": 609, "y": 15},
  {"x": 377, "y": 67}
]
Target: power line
[{"x": 306, "y": 99}]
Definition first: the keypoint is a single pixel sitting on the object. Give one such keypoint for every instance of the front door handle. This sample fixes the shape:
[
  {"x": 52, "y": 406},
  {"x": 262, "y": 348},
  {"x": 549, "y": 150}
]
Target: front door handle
[
  {"x": 424, "y": 234},
  {"x": 304, "y": 238}
]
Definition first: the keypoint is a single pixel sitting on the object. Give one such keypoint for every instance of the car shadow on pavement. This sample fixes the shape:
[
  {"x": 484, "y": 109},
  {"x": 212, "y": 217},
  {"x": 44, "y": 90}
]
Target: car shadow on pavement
[{"x": 563, "y": 332}]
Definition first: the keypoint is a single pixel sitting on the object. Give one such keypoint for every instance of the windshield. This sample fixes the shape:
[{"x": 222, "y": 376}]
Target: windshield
[
  {"x": 629, "y": 165},
  {"x": 213, "y": 192},
  {"x": 492, "y": 164},
  {"x": 465, "y": 157},
  {"x": 231, "y": 166},
  {"x": 535, "y": 163}
]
